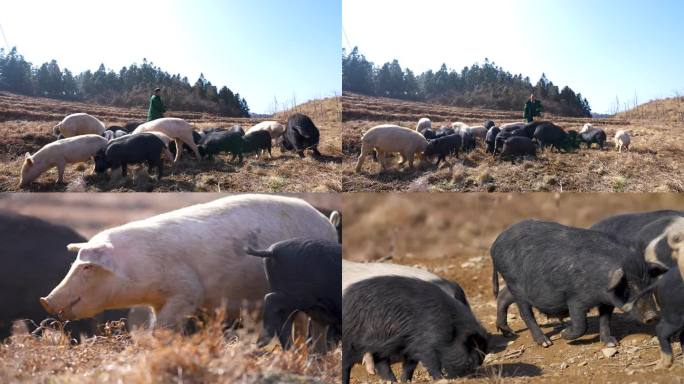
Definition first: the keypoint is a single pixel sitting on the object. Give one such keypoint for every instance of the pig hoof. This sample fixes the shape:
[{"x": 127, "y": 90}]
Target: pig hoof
[
  {"x": 610, "y": 342},
  {"x": 665, "y": 361},
  {"x": 569, "y": 335},
  {"x": 505, "y": 330}
]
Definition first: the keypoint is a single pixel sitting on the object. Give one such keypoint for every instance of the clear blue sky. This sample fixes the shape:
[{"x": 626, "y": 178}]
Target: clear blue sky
[
  {"x": 263, "y": 49},
  {"x": 599, "y": 48}
]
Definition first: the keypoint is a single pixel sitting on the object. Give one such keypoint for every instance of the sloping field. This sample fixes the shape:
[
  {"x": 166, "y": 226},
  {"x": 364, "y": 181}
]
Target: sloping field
[
  {"x": 26, "y": 125},
  {"x": 652, "y": 164}
]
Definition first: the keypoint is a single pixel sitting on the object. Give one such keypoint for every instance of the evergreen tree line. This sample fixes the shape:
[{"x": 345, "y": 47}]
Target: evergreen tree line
[
  {"x": 130, "y": 87},
  {"x": 483, "y": 86}
]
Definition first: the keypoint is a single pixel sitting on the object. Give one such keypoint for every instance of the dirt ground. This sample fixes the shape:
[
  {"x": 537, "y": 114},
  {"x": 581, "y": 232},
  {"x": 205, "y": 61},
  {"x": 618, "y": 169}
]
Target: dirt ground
[
  {"x": 211, "y": 355},
  {"x": 26, "y": 126},
  {"x": 653, "y": 163},
  {"x": 450, "y": 235}
]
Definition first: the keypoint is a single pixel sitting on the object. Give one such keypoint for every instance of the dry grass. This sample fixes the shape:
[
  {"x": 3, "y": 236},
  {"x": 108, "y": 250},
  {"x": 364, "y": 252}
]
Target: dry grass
[
  {"x": 670, "y": 109},
  {"x": 212, "y": 355},
  {"x": 450, "y": 235},
  {"x": 26, "y": 125},
  {"x": 652, "y": 165}
]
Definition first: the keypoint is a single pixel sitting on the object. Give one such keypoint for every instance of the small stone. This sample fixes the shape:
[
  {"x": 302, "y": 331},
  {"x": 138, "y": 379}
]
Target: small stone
[
  {"x": 609, "y": 352},
  {"x": 629, "y": 372},
  {"x": 563, "y": 365},
  {"x": 511, "y": 343},
  {"x": 582, "y": 363}
]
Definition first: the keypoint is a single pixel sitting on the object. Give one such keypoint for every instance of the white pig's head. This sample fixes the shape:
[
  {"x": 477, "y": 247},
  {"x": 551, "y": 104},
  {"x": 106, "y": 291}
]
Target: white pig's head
[
  {"x": 29, "y": 170},
  {"x": 90, "y": 285}
]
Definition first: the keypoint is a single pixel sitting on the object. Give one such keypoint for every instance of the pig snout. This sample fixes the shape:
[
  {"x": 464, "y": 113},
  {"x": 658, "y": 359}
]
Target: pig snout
[
  {"x": 64, "y": 313},
  {"x": 46, "y": 304},
  {"x": 651, "y": 317}
]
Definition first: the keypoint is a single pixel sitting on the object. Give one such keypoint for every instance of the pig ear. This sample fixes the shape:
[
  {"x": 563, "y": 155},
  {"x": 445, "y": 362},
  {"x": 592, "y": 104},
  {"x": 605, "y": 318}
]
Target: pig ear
[
  {"x": 28, "y": 158},
  {"x": 616, "y": 277},
  {"x": 656, "y": 269},
  {"x": 75, "y": 247},
  {"x": 98, "y": 256}
]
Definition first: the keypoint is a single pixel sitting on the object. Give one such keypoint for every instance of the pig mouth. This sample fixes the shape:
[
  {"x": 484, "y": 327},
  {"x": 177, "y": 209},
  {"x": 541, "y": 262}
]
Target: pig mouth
[{"x": 66, "y": 312}]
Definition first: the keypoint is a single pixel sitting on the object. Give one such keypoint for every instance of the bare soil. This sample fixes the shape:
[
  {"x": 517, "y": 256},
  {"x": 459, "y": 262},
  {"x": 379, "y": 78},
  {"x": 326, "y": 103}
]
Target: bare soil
[{"x": 450, "y": 235}]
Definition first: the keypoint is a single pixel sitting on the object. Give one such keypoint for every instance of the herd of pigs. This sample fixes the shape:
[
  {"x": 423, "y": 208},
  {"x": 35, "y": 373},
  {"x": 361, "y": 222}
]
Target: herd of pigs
[
  {"x": 81, "y": 137},
  {"x": 507, "y": 141},
  {"x": 395, "y": 313},
  {"x": 283, "y": 255}
]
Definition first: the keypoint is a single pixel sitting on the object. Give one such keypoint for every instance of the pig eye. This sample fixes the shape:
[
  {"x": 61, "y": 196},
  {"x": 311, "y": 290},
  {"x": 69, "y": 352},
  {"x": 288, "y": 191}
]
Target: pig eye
[
  {"x": 676, "y": 238},
  {"x": 87, "y": 267}
]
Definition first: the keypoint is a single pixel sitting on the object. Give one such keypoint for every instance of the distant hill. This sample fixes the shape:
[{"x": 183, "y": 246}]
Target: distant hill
[{"x": 668, "y": 110}]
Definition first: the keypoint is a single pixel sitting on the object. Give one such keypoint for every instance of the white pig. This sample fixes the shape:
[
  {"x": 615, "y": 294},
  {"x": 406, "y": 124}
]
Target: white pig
[
  {"x": 182, "y": 260},
  {"x": 79, "y": 124},
  {"x": 58, "y": 154},
  {"x": 273, "y": 127},
  {"x": 177, "y": 129}
]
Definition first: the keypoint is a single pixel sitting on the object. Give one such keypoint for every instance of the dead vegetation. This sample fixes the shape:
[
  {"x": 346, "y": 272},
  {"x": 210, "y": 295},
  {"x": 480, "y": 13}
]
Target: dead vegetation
[
  {"x": 670, "y": 109},
  {"x": 26, "y": 125},
  {"x": 450, "y": 235},
  {"x": 653, "y": 163},
  {"x": 212, "y": 355}
]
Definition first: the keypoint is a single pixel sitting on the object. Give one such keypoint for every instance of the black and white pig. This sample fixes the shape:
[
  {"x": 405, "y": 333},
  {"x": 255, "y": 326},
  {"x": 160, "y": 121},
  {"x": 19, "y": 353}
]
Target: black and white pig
[
  {"x": 132, "y": 149},
  {"x": 626, "y": 226},
  {"x": 582, "y": 270},
  {"x": 405, "y": 319},
  {"x": 669, "y": 291},
  {"x": 490, "y": 139},
  {"x": 304, "y": 275}
]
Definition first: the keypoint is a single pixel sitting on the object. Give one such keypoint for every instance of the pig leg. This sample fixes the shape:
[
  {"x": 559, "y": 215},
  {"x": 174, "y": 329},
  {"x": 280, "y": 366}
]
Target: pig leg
[
  {"x": 528, "y": 317},
  {"x": 278, "y": 316},
  {"x": 409, "y": 157},
  {"x": 431, "y": 363},
  {"x": 179, "y": 144},
  {"x": 318, "y": 335},
  {"x": 665, "y": 331},
  {"x": 182, "y": 304},
  {"x": 605, "y": 312},
  {"x": 369, "y": 363},
  {"x": 348, "y": 362},
  {"x": 578, "y": 322},
  {"x": 408, "y": 368},
  {"x": 385, "y": 371},
  {"x": 504, "y": 300},
  {"x": 61, "y": 165}
]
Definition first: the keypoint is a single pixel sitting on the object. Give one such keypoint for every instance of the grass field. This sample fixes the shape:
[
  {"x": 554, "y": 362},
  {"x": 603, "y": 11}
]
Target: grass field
[
  {"x": 209, "y": 356},
  {"x": 450, "y": 235},
  {"x": 26, "y": 125},
  {"x": 653, "y": 163}
]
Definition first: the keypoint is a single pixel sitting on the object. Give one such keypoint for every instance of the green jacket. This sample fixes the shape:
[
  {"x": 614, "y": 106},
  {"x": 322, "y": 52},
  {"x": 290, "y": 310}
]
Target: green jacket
[
  {"x": 532, "y": 109},
  {"x": 157, "y": 108}
]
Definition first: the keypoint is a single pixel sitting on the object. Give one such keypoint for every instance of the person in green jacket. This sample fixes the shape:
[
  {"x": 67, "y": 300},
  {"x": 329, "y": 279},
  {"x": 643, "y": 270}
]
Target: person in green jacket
[
  {"x": 533, "y": 108},
  {"x": 157, "y": 108}
]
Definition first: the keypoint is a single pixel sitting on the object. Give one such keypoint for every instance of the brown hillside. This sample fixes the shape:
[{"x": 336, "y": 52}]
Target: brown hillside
[{"x": 665, "y": 110}]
